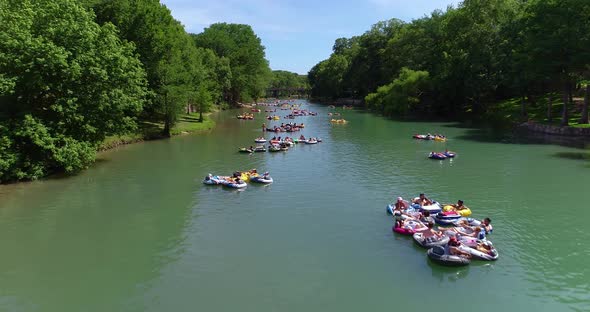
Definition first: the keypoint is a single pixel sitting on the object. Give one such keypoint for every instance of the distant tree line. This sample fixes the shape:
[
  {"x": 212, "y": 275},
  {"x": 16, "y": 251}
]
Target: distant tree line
[
  {"x": 458, "y": 63},
  {"x": 73, "y": 72},
  {"x": 287, "y": 83}
]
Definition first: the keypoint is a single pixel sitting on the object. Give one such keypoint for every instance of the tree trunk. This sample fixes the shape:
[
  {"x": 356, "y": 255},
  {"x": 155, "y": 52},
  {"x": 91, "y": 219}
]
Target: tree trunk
[
  {"x": 523, "y": 113},
  {"x": 549, "y": 109},
  {"x": 566, "y": 98},
  {"x": 200, "y": 115},
  {"x": 166, "y": 131},
  {"x": 584, "y": 118}
]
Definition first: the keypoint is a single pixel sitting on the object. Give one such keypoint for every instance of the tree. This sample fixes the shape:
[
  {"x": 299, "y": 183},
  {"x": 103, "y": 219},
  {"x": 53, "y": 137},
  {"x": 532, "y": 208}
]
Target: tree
[
  {"x": 401, "y": 95},
  {"x": 250, "y": 73},
  {"x": 173, "y": 64},
  {"x": 203, "y": 99},
  {"x": 66, "y": 83},
  {"x": 559, "y": 37}
]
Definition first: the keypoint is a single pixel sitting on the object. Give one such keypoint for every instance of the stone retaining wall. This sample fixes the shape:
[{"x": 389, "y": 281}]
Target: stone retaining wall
[{"x": 554, "y": 130}]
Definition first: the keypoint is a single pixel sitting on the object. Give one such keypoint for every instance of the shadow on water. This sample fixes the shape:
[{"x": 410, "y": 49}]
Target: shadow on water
[
  {"x": 581, "y": 156},
  {"x": 506, "y": 135},
  {"x": 450, "y": 274}
]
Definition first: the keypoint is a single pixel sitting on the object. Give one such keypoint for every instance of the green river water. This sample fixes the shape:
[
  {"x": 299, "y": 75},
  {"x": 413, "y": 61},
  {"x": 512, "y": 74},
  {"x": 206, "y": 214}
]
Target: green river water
[{"x": 140, "y": 232}]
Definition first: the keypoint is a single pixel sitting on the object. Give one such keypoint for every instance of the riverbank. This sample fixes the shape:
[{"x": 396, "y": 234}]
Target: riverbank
[{"x": 147, "y": 131}]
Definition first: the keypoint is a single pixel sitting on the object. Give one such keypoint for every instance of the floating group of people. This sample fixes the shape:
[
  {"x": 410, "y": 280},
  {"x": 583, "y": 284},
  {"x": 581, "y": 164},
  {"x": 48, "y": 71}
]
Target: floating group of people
[
  {"x": 284, "y": 127},
  {"x": 458, "y": 238},
  {"x": 428, "y": 136},
  {"x": 238, "y": 179},
  {"x": 246, "y": 116}
]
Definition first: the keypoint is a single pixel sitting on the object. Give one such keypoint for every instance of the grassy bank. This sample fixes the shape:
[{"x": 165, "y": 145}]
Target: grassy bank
[
  {"x": 509, "y": 111},
  {"x": 187, "y": 123}
]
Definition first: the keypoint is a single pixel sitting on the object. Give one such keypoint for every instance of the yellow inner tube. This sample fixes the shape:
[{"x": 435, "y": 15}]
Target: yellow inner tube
[{"x": 466, "y": 212}]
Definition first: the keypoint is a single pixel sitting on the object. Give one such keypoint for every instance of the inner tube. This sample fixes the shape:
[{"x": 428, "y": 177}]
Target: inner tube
[
  {"x": 465, "y": 212},
  {"x": 491, "y": 256},
  {"x": 413, "y": 228},
  {"x": 450, "y": 154},
  {"x": 433, "y": 209},
  {"x": 439, "y": 255},
  {"x": 245, "y": 150},
  {"x": 429, "y": 242},
  {"x": 236, "y": 185},
  {"x": 447, "y": 218},
  {"x": 260, "y": 140},
  {"x": 261, "y": 179},
  {"x": 437, "y": 156},
  {"x": 211, "y": 181}
]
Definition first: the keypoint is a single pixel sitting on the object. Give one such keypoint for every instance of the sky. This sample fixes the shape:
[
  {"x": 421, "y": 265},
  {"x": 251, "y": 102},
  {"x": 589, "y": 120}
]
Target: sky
[{"x": 298, "y": 34}]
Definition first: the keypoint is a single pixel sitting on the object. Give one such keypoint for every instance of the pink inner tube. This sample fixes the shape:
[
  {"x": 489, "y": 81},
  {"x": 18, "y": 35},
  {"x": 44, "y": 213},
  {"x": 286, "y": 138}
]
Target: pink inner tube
[{"x": 403, "y": 231}]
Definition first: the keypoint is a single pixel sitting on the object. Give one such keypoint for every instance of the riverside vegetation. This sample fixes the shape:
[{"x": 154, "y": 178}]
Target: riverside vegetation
[
  {"x": 502, "y": 60},
  {"x": 77, "y": 76}
]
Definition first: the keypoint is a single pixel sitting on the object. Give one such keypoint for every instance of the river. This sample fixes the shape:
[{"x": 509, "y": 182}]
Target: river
[{"x": 140, "y": 232}]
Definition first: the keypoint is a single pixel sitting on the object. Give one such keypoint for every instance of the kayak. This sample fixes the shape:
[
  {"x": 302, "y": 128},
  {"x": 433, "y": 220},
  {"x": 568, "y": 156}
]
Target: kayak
[
  {"x": 429, "y": 242},
  {"x": 440, "y": 255},
  {"x": 261, "y": 179}
]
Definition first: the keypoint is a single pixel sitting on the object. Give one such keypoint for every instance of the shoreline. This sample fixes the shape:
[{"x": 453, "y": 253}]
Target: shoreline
[
  {"x": 183, "y": 127},
  {"x": 112, "y": 143}
]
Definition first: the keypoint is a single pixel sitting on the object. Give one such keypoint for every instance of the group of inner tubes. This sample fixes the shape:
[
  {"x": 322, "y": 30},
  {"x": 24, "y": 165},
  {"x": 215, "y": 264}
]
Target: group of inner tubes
[
  {"x": 238, "y": 179},
  {"x": 428, "y": 136},
  {"x": 246, "y": 116},
  {"x": 284, "y": 127},
  {"x": 277, "y": 144},
  {"x": 458, "y": 238}
]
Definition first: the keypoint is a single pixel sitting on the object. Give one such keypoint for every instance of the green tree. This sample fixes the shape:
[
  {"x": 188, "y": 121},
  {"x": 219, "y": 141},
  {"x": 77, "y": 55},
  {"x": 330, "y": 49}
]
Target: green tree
[
  {"x": 173, "y": 64},
  {"x": 558, "y": 33},
  {"x": 401, "y": 95},
  {"x": 204, "y": 101},
  {"x": 66, "y": 83},
  {"x": 250, "y": 73}
]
